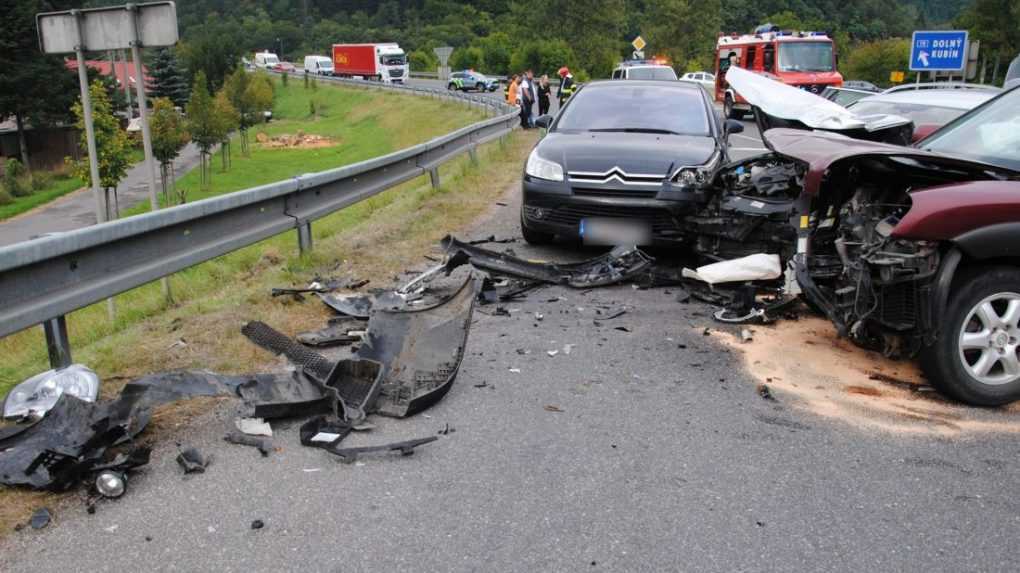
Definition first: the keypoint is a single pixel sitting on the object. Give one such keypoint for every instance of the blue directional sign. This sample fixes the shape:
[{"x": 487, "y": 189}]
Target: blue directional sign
[{"x": 938, "y": 51}]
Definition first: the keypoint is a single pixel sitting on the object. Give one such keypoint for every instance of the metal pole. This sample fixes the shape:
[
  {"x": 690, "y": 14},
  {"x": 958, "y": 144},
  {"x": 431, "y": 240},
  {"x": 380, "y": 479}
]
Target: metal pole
[
  {"x": 136, "y": 55},
  {"x": 127, "y": 84},
  {"x": 58, "y": 346},
  {"x": 434, "y": 177},
  {"x": 304, "y": 234},
  {"x": 90, "y": 134},
  {"x": 143, "y": 114}
]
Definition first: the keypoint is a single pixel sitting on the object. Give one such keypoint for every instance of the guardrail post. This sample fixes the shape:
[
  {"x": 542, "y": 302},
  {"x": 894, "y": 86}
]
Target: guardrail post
[
  {"x": 473, "y": 155},
  {"x": 57, "y": 343},
  {"x": 304, "y": 236},
  {"x": 434, "y": 177}
]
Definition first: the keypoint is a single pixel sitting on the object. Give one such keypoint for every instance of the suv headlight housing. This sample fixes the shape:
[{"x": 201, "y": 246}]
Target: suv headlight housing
[
  {"x": 543, "y": 168},
  {"x": 691, "y": 177},
  {"x": 38, "y": 394}
]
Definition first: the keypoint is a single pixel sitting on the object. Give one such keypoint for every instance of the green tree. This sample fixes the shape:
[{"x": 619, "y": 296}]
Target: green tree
[
  {"x": 203, "y": 124},
  {"x": 872, "y": 61},
  {"x": 168, "y": 78},
  {"x": 496, "y": 51},
  {"x": 35, "y": 89},
  {"x": 227, "y": 120},
  {"x": 543, "y": 57},
  {"x": 113, "y": 149},
  {"x": 594, "y": 29},
  {"x": 214, "y": 49},
  {"x": 996, "y": 23},
  {"x": 467, "y": 59},
  {"x": 250, "y": 95},
  {"x": 169, "y": 136},
  {"x": 683, "y": 31},
  {"x": 422, "y": 61}
]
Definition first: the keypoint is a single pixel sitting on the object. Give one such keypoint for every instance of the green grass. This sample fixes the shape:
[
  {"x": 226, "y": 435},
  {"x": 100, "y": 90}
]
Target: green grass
[
  {"x": 61, "y": 185},
  {"x": 366, "y": 124},
  {"x": 362, "y": 124}
]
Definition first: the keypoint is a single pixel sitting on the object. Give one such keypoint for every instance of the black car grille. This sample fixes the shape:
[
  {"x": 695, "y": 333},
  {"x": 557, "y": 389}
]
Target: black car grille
[
  {"x": 396, "y": 73},
  {"x": 625, "y": 193},
  {"x": 662, "y": 222}
]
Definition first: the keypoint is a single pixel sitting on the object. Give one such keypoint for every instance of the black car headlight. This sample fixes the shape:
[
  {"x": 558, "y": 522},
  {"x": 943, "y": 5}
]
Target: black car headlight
[
  {"x": 692, "y": 177},
  {"x": 540, "y": 168}
]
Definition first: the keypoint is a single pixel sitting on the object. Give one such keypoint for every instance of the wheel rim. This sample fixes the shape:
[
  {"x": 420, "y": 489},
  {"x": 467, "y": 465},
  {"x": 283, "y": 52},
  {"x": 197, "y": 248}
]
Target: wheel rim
[{"x": 989, "y": 339}]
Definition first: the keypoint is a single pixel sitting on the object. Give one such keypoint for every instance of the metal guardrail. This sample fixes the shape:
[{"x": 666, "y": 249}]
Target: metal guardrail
[{"x": 43, "y": 279}]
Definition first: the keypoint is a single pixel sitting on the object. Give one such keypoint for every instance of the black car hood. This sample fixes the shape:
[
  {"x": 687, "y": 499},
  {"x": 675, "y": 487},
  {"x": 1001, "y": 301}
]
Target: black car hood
[{"x": 632, "y": 153}]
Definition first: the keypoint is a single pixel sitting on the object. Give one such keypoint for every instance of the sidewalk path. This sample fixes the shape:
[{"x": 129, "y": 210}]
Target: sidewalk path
[{"x": 77, "y": 210}]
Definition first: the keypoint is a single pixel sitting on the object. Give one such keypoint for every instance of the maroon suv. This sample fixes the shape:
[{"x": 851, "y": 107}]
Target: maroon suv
[{"x": 908, "y": 250}]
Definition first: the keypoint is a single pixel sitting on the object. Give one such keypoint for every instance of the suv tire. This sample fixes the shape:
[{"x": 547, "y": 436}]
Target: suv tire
[
  {"x": 977, "y": 305},
  {"x": 730, "y": 110}
]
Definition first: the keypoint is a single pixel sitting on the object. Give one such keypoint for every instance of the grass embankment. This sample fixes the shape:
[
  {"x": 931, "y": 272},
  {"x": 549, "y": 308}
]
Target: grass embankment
[
  {"x": 60, "y": 186},
  {"x": 358, "y": 124},
  {"x": 373, "y": 239}
]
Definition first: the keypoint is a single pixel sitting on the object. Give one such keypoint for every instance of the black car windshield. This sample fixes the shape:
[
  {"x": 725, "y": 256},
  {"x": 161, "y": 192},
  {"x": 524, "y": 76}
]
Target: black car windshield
[
  {"x": 651, "y": 73},
  {"x": 805, "y": 57},
  {"x": 621, "y": 106},
  {"x": 989, "y": 134},
  {"x": 920, "y": 114}
]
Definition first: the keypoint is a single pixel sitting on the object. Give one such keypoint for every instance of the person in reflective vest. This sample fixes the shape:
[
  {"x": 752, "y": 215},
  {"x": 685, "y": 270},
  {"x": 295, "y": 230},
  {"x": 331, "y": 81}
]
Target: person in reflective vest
[
  {"x": 511, "y": 91},
  {"x": 567, "y": 85}
]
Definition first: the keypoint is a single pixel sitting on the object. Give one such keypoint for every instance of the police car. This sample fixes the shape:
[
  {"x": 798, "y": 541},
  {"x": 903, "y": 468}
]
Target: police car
[{"x": 471, "y": 80}]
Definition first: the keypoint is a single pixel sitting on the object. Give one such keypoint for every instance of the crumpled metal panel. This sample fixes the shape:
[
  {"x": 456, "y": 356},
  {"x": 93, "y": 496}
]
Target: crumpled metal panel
[{"x": 420, "y": 349}]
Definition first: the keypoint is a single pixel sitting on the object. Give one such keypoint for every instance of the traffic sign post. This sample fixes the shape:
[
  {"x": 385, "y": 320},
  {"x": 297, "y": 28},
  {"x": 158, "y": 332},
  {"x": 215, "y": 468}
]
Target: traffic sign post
[
  {"x": 131, "y": 26},
  {"x": 938, "y": 51},
  {"x": 443, "y": 53}
]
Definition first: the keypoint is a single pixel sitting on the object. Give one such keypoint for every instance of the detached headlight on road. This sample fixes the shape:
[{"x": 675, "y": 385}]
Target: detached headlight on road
[
  {"x": 543, "y": 168},
  {"x": 39, "y": 393}
]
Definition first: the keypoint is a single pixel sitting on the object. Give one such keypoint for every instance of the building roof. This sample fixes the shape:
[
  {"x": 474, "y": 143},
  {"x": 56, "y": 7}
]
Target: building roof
[{"x": 104, "y": 67}]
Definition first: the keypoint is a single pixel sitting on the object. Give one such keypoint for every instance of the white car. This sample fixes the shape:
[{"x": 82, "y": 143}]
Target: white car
[
  {"x": 706, "y": 79},
  {"x": 643, "y": 70}
]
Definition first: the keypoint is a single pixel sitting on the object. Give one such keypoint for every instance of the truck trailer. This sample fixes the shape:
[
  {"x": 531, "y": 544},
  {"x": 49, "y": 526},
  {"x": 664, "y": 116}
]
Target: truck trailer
[{"x": 381, "y": 62}]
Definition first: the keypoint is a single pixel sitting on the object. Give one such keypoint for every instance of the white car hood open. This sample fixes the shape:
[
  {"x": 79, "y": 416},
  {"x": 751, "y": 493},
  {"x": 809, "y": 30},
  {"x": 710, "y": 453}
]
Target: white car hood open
[{"x": 788, "y": 102}]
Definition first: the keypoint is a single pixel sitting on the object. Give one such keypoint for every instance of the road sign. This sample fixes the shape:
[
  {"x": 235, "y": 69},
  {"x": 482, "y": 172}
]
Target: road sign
[
  {"x": 938, "y": 51},
  {"x": 109, "y": 28},
  {"x": 443, "y": 53},
  {"x": 896, "y": 77},
  {"x": 639, "y": 43}
]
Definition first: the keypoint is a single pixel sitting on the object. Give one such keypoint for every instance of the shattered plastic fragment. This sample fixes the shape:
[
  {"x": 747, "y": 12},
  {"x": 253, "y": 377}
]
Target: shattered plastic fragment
[
  {"x": 759, "y": 266},
  {"x": 264, "y": 445},
  {"x": 41, "y": 518},
  {"x": 406, "y": 448},
  {"x": 192, "y": 461},
  {"x": 254, "y": 426},
  {"x": 356, "y": 305}
]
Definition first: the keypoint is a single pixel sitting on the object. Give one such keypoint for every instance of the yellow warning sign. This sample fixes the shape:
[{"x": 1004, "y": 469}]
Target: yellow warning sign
[
  {"x": 896, "y": 77},
  {"x": 638, "y": 43}
]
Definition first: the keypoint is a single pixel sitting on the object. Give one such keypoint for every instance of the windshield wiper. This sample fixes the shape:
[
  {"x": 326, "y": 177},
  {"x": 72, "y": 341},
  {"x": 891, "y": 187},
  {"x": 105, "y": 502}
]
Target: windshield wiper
[{"x": 636, "y": 130}]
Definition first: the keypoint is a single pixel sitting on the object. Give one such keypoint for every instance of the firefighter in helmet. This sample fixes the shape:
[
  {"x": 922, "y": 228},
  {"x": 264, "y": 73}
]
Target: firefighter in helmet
[{"x": 567, "y": 85}]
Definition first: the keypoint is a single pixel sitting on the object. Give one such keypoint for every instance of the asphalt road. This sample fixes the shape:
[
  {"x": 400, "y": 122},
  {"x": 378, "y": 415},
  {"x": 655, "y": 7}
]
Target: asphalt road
[{"x": 661, "y": 456}]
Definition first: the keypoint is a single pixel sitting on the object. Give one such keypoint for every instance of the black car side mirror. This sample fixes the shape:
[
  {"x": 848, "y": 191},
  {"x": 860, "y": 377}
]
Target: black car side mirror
[
  {"x": 544, "y": 121},
  {"x": 733, "y": 126}
]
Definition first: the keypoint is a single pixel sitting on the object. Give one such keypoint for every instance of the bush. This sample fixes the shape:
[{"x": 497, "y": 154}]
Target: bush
[
  {"x": 15, "y": 181},
  {"x": 283, "y": 79},
  {"x": 41, "y": 180},
  {"x": 422, "y": 61},
  {"x": 5, "y": 197}
]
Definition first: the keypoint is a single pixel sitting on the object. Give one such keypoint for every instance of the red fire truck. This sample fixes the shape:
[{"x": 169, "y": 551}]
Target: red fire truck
[{"x": 803, "y": 59}]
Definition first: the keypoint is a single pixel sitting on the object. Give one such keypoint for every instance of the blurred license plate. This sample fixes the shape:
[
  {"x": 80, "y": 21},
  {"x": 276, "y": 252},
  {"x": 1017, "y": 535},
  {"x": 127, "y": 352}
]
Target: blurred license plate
[{"x": 612, "y": 231}]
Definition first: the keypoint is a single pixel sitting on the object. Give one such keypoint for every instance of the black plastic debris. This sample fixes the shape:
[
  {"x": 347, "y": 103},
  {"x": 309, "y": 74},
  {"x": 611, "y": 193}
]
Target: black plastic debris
[
  {"x": 75, "y": 438},
  {"x": 41, "y": 518},
  {"x": 765, "y": 393},
  {"x": 620, "y": 264},
  {"x": 192, "y": 461},
  {"x": 257, "y": 524},
  {"x": 264, "y": 445},
  {"x": 340, "y": 330},
  {"x": 405, "y": 448},
  {"x": 492, "y": 239},
  {"x": 356, "y": 305},
  {"x": 420, "y": 351}
]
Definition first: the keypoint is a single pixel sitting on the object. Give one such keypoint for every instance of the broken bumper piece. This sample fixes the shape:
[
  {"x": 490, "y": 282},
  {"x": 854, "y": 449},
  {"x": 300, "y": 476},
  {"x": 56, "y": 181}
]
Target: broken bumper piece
[
  {"x": 327, "y": 434},
  {"x": 618, "y": 265}
]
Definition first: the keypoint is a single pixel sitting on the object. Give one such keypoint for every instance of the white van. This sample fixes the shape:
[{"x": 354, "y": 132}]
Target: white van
[
  {"x": 264, "y": 60},
  {"x": 319, "y": 65}
]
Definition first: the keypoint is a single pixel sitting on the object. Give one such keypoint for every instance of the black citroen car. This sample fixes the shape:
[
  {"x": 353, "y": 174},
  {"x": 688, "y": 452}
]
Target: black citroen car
[{"x": 622, "y": 162}]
